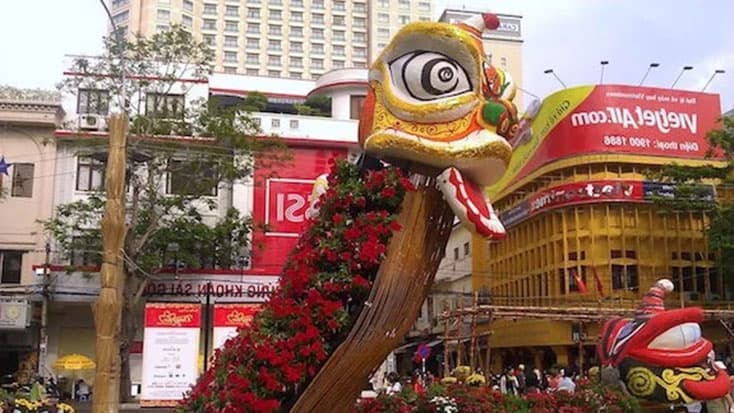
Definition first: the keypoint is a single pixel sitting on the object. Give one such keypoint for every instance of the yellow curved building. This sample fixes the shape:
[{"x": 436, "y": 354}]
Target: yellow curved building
[{"x": 577, "y": 206}]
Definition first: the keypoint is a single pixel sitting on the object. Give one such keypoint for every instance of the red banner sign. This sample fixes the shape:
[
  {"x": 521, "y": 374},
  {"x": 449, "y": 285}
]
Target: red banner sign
[
  {"x": 172, "y": 315},
  {"x": 280, "y": 203},
  {"x": 585, "y": 192},
  {"x": 234, "y": 315}
]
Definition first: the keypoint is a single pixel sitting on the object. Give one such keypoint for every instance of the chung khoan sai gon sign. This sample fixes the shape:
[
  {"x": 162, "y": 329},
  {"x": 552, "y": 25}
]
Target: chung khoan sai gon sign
[{"x": 588, "y": 120}]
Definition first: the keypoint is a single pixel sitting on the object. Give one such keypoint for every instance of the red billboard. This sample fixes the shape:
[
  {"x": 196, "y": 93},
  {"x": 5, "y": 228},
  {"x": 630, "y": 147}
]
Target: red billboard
[
  {"x": 280, "y": 203},
  {"x": 617, "y": 119}
]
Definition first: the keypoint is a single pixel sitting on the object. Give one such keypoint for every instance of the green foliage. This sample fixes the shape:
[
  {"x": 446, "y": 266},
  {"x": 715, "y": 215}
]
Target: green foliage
[
  {"x": 692, "y": 192},
  {"x": 318, "y": 105},
  {"x": 255, "y": 102}
]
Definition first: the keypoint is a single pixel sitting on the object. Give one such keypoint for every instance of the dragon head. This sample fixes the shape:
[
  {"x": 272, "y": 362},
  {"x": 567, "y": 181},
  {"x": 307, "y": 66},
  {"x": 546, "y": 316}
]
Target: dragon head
[
  {"x": 661, "y": 354},
  {"x": 435, "y": 99}
]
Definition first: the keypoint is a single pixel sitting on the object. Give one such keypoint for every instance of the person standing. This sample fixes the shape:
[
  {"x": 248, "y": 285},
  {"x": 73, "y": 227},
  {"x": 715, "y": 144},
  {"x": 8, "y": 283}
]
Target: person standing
[{"x": 520, "y": 376}]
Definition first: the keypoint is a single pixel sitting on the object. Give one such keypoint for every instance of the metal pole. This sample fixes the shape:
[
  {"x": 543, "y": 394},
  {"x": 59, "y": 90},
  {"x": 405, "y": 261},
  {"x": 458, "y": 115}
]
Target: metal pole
[
  {"x": 206, "y": 324},
  {"x": 43, "y": 333}
]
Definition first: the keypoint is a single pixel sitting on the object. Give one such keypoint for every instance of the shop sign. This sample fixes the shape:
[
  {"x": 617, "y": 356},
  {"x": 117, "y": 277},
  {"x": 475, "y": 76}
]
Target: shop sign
[
  {"x": 14, "y": 315},
  {"x": 614, "y": 119},
  {"x": 229, "y": 318},
  {"x": 219, "y": 287},
  {"x": 170, "y": 352}
]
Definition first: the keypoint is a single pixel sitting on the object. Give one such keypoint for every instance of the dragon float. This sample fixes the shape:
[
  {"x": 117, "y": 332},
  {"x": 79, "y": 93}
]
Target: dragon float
[{"x": 436, "y": 128}]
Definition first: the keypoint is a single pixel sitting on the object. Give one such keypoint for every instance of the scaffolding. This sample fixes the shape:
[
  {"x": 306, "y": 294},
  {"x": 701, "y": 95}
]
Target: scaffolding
[{"x": 455, "y": 321}]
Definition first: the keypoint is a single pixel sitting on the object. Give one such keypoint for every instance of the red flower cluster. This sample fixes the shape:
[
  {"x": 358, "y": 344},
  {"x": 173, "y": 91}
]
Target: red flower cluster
[{"x": 323, "y": 286}]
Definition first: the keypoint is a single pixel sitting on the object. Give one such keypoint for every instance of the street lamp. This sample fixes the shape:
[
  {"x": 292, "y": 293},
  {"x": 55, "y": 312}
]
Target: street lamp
[
  {"x": 550, "y": 71},
  {"x": 649, "y": 68},
  {"x": 603, "y": 63},
  {"x": 685, "y": 68},
  {"x": 716, "y": 72}
]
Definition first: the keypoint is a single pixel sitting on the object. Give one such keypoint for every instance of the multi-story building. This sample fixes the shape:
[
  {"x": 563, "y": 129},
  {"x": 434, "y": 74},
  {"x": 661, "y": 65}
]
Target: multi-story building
[
  {"x": 298, "y": 39},
  {"x": 27, "y": 163},
  {"x": 277, "y": 203},
  {"x": 582, "y": 227}
]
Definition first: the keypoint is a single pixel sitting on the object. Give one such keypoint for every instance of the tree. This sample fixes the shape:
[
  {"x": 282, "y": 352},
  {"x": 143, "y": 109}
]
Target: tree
[
  {"x": 193, "y": 150},
  {"x": 318, "y": 105},
  {"x": 706, "y": 190}
]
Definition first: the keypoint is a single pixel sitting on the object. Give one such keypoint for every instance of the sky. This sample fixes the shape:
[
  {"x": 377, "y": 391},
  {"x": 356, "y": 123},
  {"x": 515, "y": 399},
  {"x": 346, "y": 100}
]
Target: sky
[{"x": 569, "y": 36}]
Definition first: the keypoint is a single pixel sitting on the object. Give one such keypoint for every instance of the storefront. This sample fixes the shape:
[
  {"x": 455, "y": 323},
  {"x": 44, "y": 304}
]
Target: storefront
[
  {"x": 18, "y": 340},
  {"x": 582, "y": 227}
]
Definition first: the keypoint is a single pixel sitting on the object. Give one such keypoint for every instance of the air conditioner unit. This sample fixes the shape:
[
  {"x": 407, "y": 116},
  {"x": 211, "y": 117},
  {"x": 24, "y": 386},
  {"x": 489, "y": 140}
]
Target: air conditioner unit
[{"x": 90, "y": 121}]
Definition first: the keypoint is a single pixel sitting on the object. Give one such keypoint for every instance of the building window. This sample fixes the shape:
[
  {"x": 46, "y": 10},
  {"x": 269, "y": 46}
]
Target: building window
[
  {"x": 383, "y": 18},
  {"x": 360, "y": 22},
  {"x": 338, "y": 50},
  {"x": 317, "y": 33},
  {"x": 359, "y": 37},
  {"x": 383, "y": 33},
  {"x": 293, "y": 124},
  {"x": 295, "y": 75},
  {"x": 337, "y": 64},
  {"x": 296, "y": 16},
  {"x": 317, "y": 4},
  {"x": 338, "y": 20},
  {"x": 187, "y": 21},
  {"x": 340, "y": 36},
  {"x": 230, "y": 57},
  {"x": 231, "y": 26},
  {"x": 296, "y": 47},
  {"x": 253, "y": 13},
  {"x": 456, "y": 254},
  {"x": 122, "y": 17},
  {"x": 89, "y": 174},
  {"x": 164, "y": 105},
  {"x": 355, "y": 106},
  {"x": 120, "y": 3},
  {"x": 209, "y": 24},
  {"x": 424, "y": 6},
  {"x": 210, "y": 8},
  {"x": 339, "y": 5},
  {"x": 230, "y": 41},
  {"x": 252, "y": 72},
  {"x": 160, "y": 28},
  {"x": 296, "y": 3},
  {"x": 232, "y": 11},
  {"x": 403, "y": 19},
  {"x": 274, "y": 29},
  {"x": 317, "y": 63},
  {"x": 274, "y": 45},
  {"x": 94, "y": 101},
  {"x": 253, "y": 28},
  {"x": 296, "y": 31},
  {"x": 466, "y": 249},
  {"x": 503, "y": 62},
  {"x": 253, "y": 43},
  {"x": 360, "y": 52},
  {"x": 22, "y": 180},
  {"x": 188, "y": 5},
  {"x": 424, "y": 19},
  {"x": 275, "y": 2},
  {"x": 276, "y": 15},
  {"x": 209, "y": 39},
  {"x": 317, "y": 48},
  {"x": 317, "y": 18},
  {"x": 296, "y": 62},
  {"x": 186, "y": 178},
  {"x": 164, "y": 15},
  {"x": 11, "y": 263},
  {"x": 274, "y": 60},
  {"x": 274, "y": 73},
  {"x": 622, "y": 274},
  {"x": 230, "y": 70},
  {"x": 359, "y": 8},
  {"x": 274, "y": 123},
  {"x": 253, "y": 59},
  {"x": 383, "y": 3}
]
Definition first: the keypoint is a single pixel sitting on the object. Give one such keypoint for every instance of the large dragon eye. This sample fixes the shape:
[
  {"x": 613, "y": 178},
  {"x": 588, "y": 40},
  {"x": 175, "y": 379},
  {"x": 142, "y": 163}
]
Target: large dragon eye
[{"x": 427, "y": 76}]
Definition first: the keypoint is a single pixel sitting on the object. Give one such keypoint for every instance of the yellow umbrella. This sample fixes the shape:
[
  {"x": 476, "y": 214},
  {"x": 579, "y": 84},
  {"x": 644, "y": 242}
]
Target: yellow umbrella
[{"x": 74, "y": 362}]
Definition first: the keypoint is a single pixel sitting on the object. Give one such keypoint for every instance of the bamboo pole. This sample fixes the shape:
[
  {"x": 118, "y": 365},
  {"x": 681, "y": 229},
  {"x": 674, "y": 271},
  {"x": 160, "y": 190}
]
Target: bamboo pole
[
  {"x": 459, "y": 333},
  {"x": 473, "y": 330},
  {"x": 402, "y": 285},
  {"x": 446, "y": 363},
  {"x": 107, "y": 308}
]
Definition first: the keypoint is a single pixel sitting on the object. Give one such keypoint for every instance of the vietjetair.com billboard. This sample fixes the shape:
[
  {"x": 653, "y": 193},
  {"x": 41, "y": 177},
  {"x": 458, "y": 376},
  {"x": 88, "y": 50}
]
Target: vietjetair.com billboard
[{"x": 588, "y": 120}]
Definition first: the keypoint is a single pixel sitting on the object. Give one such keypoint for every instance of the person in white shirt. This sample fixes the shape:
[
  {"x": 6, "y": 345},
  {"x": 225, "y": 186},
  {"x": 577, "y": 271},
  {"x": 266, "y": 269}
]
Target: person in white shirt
[{"x": 395, "y": 385}]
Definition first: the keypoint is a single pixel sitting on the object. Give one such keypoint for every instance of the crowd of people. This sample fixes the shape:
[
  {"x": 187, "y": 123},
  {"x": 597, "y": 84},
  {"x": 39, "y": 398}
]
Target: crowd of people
[{"x": 518, "y": 381}]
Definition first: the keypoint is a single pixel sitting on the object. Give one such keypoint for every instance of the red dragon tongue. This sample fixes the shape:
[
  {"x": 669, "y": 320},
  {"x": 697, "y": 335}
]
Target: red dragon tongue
[
  {"x": 708, "y": 390},
  {"x": 469, "y": 204}
]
